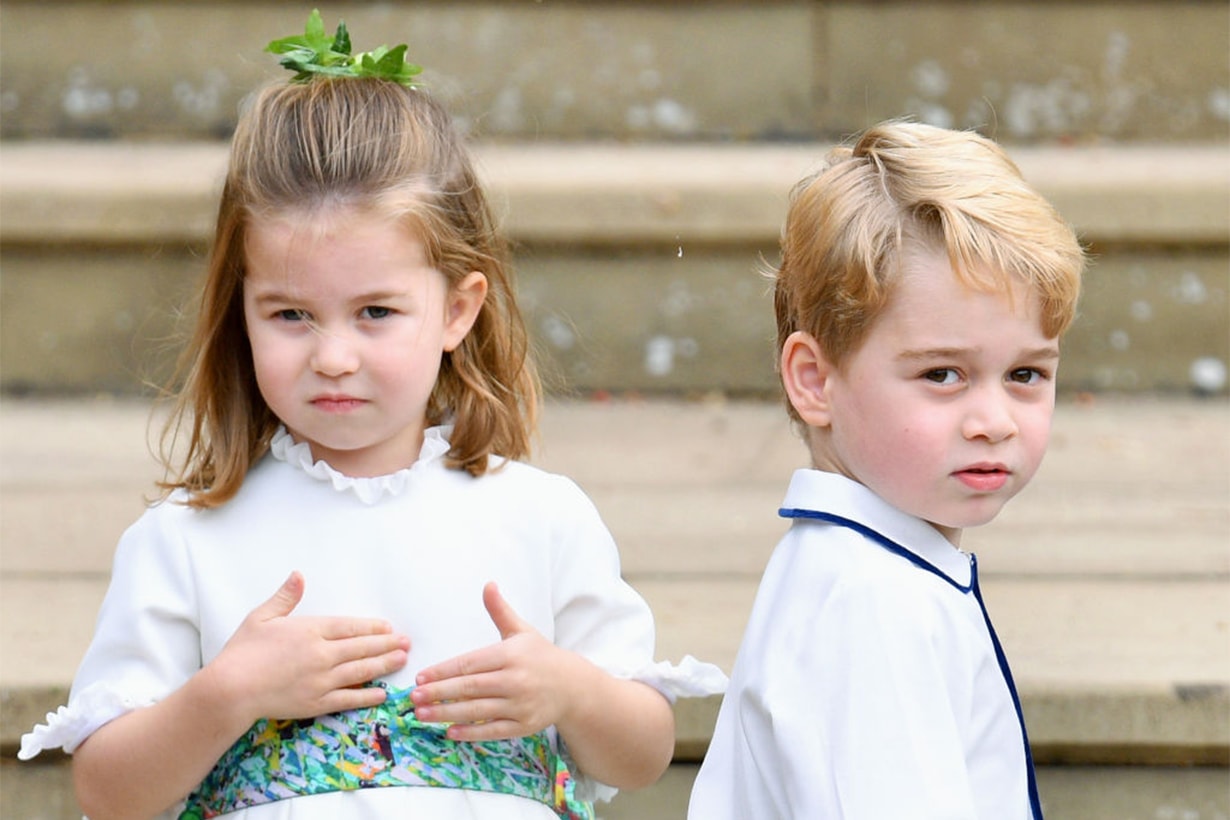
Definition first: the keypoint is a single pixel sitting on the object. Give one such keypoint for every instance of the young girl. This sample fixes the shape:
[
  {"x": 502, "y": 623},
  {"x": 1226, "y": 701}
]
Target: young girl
[{"x": 308, "y": 625}]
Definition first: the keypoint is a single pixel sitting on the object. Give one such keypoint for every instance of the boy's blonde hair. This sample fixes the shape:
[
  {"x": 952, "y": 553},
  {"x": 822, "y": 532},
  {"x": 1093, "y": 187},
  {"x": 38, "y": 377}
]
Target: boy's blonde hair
[
  {"x": 350, "y": 143},
  {"x": 905, "y": 186}
]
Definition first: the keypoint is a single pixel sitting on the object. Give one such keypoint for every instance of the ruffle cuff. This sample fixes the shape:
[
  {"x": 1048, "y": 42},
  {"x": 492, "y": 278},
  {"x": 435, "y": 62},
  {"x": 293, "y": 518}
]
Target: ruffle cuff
[
  {"x": 689, "y": 678},
  {"x": 586, "y": 788},
  {"x": 70, "y": 725}
]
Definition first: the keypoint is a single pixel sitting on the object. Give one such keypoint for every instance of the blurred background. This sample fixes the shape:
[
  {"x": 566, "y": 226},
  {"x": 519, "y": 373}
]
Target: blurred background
[
  {"x": 641, "y": 151},
  {"x": 640, "y": 155}
]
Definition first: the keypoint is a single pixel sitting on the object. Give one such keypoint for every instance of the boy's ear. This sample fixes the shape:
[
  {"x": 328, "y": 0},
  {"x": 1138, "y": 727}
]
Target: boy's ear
[
  {"x": 465, "y": 300},
  {"x": 805, "y": 376}
]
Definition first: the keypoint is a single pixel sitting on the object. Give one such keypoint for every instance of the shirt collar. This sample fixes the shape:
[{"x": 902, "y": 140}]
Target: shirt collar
[
  {"x": 369, "y": 490},
  {"x": 818, "y": 494}
]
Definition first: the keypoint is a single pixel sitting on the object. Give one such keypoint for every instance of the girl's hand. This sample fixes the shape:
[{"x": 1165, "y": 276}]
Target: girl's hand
[
  {"x": 276, "y": 666},
  {"x": 509, "y": 689}
]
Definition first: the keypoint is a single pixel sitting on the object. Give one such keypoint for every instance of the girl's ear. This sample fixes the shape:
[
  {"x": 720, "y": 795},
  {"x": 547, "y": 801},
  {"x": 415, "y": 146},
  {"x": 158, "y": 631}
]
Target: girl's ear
[
  {"x": 805, "y": 375},
  {"x": 465, "y": 300}
]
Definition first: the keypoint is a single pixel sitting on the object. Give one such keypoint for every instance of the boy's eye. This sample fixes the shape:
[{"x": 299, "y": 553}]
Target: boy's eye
[
  {"x": 1026, "y": 375},
  {"x": 376, "y": 312},
  {"x": 941, "y": 375}
]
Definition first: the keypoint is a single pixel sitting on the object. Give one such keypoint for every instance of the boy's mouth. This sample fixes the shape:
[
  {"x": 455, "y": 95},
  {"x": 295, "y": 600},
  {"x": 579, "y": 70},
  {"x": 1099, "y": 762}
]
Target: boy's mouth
[{"x": 983, "y": 477}]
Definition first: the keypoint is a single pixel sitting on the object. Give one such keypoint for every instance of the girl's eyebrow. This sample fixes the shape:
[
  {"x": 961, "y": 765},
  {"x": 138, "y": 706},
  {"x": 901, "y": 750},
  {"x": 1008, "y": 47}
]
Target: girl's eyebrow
[
  {"x": 280, "y": 297},
  {"x": 378, "y": 296}
]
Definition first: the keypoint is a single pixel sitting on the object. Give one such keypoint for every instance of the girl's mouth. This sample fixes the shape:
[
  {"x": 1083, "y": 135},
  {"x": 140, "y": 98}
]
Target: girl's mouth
[{"x": 337, "y": 404}]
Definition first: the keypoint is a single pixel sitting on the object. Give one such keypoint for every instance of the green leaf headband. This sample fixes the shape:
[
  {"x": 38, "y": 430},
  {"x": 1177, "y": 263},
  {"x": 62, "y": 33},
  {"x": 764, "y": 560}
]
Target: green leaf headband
[{"x": 315, "y": 52}]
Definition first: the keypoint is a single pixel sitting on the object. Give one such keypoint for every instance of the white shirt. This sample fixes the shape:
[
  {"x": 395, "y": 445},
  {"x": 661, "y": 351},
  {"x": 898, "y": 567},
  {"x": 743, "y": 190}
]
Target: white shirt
[
  {"x": 866, "y": 686},
  {"x": 414, "y": 548}
]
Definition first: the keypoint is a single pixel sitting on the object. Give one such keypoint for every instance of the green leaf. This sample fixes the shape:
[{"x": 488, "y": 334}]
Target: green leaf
[
  {"x": 314, "y": 52},
  {"x": 314, "y": 46},
  {"x": 313, "y": 38},
  {"x": 341, "y": 40},
  {"x": 388, "y": 64}
]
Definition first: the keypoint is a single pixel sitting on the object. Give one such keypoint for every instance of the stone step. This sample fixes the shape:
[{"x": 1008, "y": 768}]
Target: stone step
[
  {"x": 38, "y": 791},
  {"x": 1108, "y": 578},
  {"x": 1072, "y": 70},
  {"x": 638, "y": 263}
]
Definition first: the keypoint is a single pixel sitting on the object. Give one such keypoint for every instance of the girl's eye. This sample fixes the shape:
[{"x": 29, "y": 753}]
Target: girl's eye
[
  {"x": 291, "y": 315},
  {"x": 376, "y": 312},
  {"x": 941, "y": 375}
]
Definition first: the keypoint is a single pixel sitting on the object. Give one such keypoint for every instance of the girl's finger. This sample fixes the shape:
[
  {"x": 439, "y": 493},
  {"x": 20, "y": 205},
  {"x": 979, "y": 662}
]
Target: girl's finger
[
  {"x": 346, "y": 698},
  {"x": 483, "y": 710},
  {"x": 367, "y": 669},
  {"x": 367, "y": 646},
  {"x": 491, "y": 730},
  {"x": 478, "y": 662},
  {"x": 505, "y": 618},
  {"x": 453, "y": 690},
  {"x": 283, "y": 602},
  {"x": 334, "y": 629}
]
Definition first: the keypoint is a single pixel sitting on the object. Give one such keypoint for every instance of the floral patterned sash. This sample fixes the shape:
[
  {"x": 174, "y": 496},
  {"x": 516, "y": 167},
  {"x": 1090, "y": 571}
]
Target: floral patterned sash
[{"x": 379, "y": 746}]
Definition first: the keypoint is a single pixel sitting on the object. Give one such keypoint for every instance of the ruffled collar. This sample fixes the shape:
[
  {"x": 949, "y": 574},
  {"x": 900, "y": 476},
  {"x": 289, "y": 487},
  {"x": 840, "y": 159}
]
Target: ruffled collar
[{"x": 369, "y": 490}]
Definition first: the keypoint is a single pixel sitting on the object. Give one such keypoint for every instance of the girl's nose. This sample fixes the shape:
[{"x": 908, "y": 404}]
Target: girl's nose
[
  {"x": 989, "y": 416},
  {"x": 334, "y": 354}
]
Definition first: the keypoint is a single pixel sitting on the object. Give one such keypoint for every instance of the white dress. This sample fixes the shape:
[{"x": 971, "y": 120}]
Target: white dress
[
  {"x": 414, "y": 548},
  {"x": 867, "y": 685}
]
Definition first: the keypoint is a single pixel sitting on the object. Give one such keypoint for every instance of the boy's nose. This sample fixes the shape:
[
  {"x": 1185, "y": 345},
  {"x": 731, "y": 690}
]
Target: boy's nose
[
  {"x": 989, "y": 416},
  {"x": 334, "y": 354}
]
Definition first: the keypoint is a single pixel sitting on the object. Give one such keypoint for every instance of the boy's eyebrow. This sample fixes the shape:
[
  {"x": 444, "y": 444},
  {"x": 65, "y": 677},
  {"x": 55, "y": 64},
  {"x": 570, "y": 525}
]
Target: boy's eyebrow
[{"x": 927, "y": 354}]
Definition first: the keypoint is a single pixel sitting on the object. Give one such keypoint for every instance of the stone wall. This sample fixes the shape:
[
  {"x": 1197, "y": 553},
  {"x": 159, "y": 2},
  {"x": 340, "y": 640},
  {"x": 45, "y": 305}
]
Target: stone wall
[{"x": 610, "y": 69}]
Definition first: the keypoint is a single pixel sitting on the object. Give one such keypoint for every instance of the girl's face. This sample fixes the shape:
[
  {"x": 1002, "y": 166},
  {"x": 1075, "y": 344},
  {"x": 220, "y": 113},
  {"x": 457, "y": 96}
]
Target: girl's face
[
  {"x": 944, "y": 410},
  {"x": 348, "y": 325}
]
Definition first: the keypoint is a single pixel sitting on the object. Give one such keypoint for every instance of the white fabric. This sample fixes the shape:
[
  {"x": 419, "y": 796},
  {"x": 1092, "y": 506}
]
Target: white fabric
[
  {"x": 414, "y": 548},
  {"x": 865, "y": 686}
]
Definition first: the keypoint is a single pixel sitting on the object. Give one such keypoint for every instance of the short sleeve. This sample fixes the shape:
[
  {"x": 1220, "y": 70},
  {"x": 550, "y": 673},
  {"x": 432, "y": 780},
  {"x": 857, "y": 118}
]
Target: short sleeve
[
  {"x": 146, "y": 641},
  {"x": 597, "y": 614},
  {"x": 600, "y": 616}
]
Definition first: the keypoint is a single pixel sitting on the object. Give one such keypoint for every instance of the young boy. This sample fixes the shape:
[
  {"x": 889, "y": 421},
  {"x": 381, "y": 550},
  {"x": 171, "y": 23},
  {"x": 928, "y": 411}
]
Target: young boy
[{"x": 922, "y": 292}]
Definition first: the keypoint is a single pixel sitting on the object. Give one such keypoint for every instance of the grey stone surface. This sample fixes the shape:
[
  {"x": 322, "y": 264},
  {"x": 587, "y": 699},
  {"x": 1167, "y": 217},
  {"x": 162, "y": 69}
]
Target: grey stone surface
[
  {"x": 639, "y": 265},
  {"x": 1029, "y": 71},
  {"x": 44, "y": 792},
  {"x": 773, "y": 69},
  {"x": 1108, "y": 579},
  {"x": 603, "y": 194}
]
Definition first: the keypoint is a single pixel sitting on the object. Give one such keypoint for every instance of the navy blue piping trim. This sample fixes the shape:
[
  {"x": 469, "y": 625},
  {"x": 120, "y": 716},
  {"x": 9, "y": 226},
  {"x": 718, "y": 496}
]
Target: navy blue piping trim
[
  {"x": 1035, "y": 803},
  {"x": 883, "y": 540}
]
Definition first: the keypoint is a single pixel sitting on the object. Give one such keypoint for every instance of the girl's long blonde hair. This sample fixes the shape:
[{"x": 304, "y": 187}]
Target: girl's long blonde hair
[{"x": 365, "y": 143}]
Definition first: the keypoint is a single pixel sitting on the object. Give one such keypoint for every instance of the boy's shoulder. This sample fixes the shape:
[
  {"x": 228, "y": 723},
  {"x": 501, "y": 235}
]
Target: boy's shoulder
[
  {"x": 873, "y": 534},
  {"x": 834, "y": 566},
  {"x": 850, "y": 552}
]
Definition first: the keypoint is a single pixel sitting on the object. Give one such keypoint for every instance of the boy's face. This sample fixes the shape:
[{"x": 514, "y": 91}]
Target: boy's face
[{"x": 945, "y": 409}]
